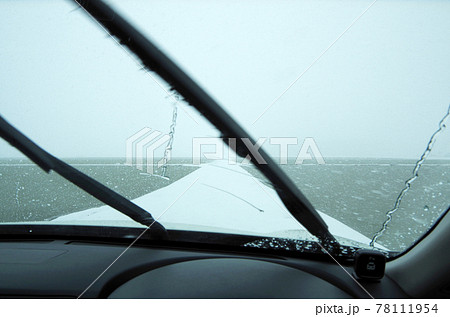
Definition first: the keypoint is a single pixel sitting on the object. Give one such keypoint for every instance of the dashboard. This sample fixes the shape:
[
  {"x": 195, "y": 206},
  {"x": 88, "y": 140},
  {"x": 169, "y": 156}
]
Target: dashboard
[{"x": 67, "y": 269}]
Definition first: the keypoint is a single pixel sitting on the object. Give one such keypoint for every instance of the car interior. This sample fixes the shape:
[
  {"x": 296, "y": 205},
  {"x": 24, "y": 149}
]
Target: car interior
[
  {"x": 151, "y": 261},
  {"x": 35, "y": 266}
]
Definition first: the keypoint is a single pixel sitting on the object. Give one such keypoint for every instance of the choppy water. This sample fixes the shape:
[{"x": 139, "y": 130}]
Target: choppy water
[
  {"x": 29, "y": 194},
  {"x": 359, "y": 192},
  {"x": 355, "y": 191}
]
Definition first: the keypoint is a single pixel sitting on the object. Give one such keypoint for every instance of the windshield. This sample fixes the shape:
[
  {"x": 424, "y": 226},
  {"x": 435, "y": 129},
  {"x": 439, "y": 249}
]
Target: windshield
[{"x": 346, "y": 97}]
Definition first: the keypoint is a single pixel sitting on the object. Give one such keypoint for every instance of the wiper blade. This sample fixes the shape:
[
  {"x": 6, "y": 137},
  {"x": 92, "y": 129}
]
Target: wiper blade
[
  {"x": 155, "y": 60},
  {"x": 48, "y": 162}
]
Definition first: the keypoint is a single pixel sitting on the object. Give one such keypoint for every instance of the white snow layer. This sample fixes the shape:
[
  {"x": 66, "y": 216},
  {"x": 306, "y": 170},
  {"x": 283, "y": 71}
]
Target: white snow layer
[{"x": 217, "y": 197}]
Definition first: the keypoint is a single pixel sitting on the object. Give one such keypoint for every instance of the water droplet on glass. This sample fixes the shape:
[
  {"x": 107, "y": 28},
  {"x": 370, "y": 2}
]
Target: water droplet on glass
[{"x": 426, "y": 208}]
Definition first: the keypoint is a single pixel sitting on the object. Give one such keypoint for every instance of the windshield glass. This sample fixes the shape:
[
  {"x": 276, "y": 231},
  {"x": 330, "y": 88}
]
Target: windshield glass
[{"x": 345, "y": 96}]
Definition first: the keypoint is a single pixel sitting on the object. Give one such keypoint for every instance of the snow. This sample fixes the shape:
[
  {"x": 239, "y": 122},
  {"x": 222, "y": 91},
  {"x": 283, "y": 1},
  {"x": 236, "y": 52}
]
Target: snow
[{"x": 217, "y": 197}]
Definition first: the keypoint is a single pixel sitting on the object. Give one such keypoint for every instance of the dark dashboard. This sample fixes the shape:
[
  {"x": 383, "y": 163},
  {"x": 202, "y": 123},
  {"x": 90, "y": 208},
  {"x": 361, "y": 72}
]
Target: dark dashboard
[{"x": 66, "y": 268}]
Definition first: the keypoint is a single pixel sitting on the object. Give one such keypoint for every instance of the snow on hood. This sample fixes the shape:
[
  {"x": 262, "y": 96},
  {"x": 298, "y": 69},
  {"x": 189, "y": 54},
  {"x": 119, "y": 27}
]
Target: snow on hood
[{"x": 217, "y": 197}]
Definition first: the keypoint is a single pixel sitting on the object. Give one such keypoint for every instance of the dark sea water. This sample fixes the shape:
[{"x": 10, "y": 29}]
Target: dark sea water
[{"x": 357, "y": 192}]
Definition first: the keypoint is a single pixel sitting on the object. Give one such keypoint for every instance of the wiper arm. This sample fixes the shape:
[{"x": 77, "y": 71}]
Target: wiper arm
[
  {"x": 48, "y": 162},
  {"x": 155, "y": 60}
]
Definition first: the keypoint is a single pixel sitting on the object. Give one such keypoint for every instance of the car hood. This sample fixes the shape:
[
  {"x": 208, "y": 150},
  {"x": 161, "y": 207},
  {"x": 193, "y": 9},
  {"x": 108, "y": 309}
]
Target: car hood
[{"x": 217, "y": 197}]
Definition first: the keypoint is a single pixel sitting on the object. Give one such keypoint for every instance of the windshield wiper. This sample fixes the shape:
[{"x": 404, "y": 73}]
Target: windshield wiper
[
  {"x": 155, "y": 60},
  {"x": 48, "y": 162}
]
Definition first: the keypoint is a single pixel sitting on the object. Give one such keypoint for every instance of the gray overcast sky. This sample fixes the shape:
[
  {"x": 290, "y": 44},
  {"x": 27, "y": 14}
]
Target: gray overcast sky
[{"x": 380, "y": 91}]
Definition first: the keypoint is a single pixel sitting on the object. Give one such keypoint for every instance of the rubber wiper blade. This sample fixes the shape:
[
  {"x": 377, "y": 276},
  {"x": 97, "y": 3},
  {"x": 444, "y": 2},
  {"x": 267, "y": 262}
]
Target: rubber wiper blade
[
  {"x": 157, "y": 61},
  {"x": 48, "y": 162}
]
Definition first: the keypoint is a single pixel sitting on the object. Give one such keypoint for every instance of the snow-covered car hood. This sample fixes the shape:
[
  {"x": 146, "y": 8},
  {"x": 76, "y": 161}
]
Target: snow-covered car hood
[{"x": 217, "y": 197}]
